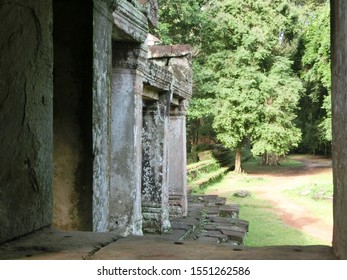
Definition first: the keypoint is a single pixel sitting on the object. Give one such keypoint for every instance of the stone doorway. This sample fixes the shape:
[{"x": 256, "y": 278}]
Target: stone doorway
[{"x": 72, "y": 114}]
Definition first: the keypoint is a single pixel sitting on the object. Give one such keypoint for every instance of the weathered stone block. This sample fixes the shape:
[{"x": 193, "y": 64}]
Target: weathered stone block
[
  {"x": 130, "y": 22},
  {"x": 231, "y": 228},
  {"x": 215, "y": 234},
  {"x": 234, "y": 235},
  {"x": 240, "y": 223},
  {"x": 208, "y": 197},
  {"x": 212, "y": 210},
  {"x": 205, "y": 239},
  {"x": 159, "y": 51},
  {"x": 210, "y": 227},
  {"x": 231, "y": 211},
  {"x": 180, "y": 225},
  {"x": 151, "y": 11},
  {"x": 218, "y": 219}
]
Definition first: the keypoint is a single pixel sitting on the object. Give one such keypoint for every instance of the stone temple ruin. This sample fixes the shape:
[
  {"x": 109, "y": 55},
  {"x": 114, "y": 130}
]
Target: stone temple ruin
[{"x": 92, "y": 118}]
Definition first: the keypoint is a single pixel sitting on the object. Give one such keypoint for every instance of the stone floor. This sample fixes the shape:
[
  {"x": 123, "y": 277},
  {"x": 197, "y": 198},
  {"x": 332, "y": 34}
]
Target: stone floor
[{"x": 211, "y": 231}]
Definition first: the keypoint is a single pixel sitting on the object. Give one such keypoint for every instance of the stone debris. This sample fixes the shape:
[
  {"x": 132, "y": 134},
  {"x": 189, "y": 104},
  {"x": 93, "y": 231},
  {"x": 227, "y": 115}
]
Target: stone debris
[
  {"x": 235, "y": 236},
  {"x": 231, "y": 211},
  {"x": 242, "y": 194},
  {"x": 210, "y": 220},
  {"x": 239, "y": 222},
  {"x": 232, "y": 228},
  {"x": 212, "y": 210},
  {"x": 210, "y": 227}
]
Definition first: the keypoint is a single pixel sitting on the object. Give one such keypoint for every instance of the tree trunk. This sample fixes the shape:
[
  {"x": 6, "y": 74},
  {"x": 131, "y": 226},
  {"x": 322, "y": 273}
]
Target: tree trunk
[
  {"x": 238, "y": 168},
  {"x": 270, "y": 159}
]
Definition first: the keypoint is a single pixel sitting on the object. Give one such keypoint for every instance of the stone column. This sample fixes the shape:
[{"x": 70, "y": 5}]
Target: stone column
[
  {"x": 102, "y": 67},
  {"x": 126, "y": 150},
  {"x": 155, "y": 193},
  {"x": 178, "y": 161},
  {"x": 339, "y": 109}
]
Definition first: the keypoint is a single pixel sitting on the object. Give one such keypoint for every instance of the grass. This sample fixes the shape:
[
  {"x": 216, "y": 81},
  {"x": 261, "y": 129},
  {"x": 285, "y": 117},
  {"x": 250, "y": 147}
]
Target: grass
[
  {"x": 243, "y": 181},
  {"x": 204, "y": 180},
  {"x": 265, "y": 227},
  {"x": 204, "y": 173},
  {"x": 316, "y": 195},
  {"x": 199, "y": 164},
  {"x": 200, "y": 170},
  {"x": 254, "y": 166}
]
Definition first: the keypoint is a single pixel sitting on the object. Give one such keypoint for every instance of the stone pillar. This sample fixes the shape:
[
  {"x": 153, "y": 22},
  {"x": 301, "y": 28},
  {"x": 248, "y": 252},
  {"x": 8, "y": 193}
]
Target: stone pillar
[
  {"x": 155, "y": 193},
  {"x": 178, "y": 161},
  {"x": 125, "y": 148},
  {"x": 339, "y": 109},
  {"x": 102, "y": 67}
]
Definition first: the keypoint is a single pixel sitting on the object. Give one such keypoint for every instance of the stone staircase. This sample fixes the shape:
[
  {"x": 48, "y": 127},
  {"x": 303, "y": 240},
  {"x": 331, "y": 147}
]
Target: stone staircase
[
  {"x": 210, "y": 220},
  {"x": 202, "y": 174}
]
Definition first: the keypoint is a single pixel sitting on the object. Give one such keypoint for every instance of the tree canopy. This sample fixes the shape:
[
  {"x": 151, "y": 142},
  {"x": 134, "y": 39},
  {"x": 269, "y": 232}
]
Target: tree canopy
[
  {"x": 316, "y": 75},
  {"x": 261, "y": 70}
]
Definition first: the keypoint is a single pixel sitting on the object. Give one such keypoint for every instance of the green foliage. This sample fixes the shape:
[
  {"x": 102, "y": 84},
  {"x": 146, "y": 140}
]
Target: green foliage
[
  {"x": 281, "y": 91},
  {"x": 315, "y": 116},
  {"x": 261, "y": 71},
  {"x": 181, "y": 22},
  {"x": 186, "y": 22},
  {"x": 249, "y": 74},
  {"x": 204, "y": 173},
  {"x": 197, "y": 171}
]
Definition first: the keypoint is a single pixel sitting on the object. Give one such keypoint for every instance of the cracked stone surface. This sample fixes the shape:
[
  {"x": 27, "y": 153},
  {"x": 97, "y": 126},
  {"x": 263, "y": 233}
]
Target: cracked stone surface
[
  {"x": 192, "y": 238},
  {"x": 48, "y": 244}
]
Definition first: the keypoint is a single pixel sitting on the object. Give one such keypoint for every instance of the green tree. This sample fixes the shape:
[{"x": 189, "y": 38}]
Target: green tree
[
  {"x": 249, "y": 74},
  {"x": 277, "y": 134},
  {"x": 247, "y": 56},
  {"x": 315, "y": 116},
  {"x": 181, "y": 22}
]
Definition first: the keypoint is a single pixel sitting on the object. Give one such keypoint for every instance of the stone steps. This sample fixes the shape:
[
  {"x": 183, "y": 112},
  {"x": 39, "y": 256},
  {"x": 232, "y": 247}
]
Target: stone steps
[
  {"x": 202, "y": 168},
  {"x": 208, "y": 179},
  {"x": 211, "y": 220}
]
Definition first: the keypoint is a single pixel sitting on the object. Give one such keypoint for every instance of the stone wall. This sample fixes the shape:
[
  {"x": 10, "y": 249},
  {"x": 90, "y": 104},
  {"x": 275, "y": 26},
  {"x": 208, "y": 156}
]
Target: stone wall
[
  {"x": 26, "y": 104},
  {"x": 339, "y": 106}
]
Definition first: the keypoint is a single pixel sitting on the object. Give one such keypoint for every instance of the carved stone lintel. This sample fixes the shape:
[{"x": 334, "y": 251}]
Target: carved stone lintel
[
  {"x": 183, "y": 108},
  {"x": 130, "y": 21},
  {"x": 180, "y": 110},
  {"x": 129, "y": 56},
  {"x": 126, "y": 64}
]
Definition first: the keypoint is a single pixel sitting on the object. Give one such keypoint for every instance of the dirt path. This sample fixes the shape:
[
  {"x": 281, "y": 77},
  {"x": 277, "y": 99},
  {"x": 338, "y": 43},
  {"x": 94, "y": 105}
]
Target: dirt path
[{"x": 291, "y": 212}]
